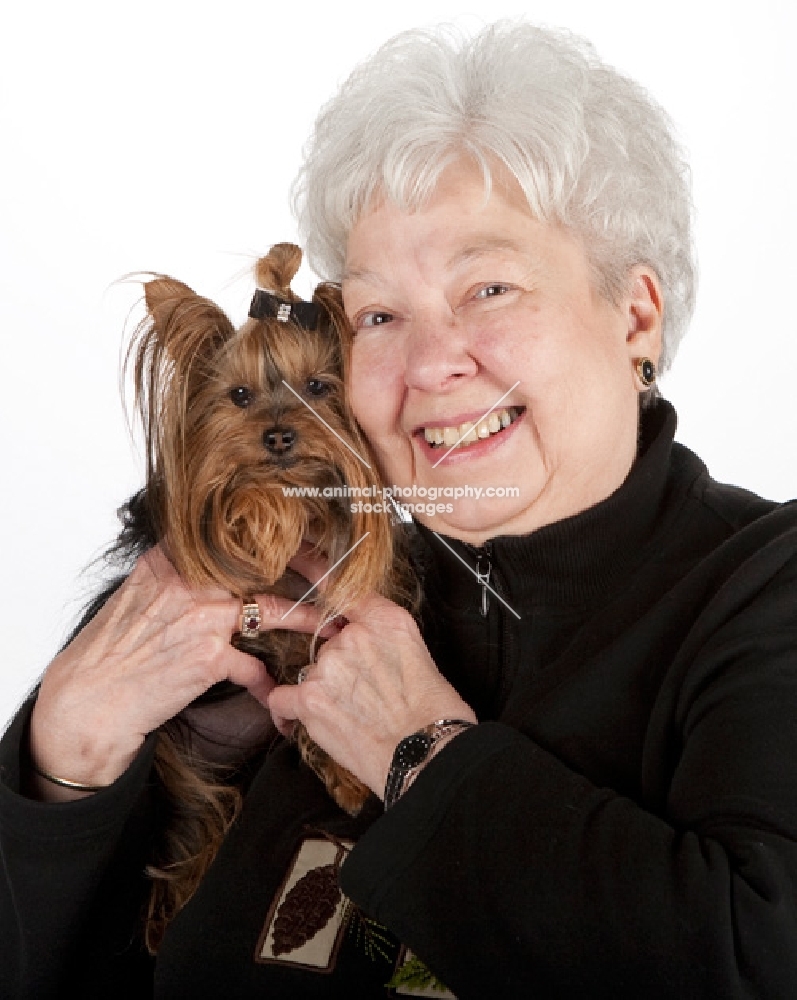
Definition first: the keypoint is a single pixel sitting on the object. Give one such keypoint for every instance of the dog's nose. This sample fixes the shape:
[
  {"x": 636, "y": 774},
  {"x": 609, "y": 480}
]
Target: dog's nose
[{"x": 279, "y": 440}]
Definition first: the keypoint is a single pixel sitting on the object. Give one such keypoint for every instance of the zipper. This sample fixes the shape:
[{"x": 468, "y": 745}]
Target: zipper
[
  {"x": 483, "y": 570},
  {"x": 487, "y": 575}
]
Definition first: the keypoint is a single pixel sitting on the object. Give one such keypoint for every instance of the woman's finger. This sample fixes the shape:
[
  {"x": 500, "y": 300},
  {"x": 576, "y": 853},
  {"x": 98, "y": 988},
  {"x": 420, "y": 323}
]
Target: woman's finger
[
  {"x": 283, "y": 703},
  {"x": 276, "y": 613},
  {"x": 285, "y": 726},
  {"x": 251, "y": 673}
]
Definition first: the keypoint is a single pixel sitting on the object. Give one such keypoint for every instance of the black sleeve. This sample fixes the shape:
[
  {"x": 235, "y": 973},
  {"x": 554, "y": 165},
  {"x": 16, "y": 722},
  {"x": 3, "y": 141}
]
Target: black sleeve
[
  {"x": 512, "y": 875},
  {"x": 72, "y": 885}
]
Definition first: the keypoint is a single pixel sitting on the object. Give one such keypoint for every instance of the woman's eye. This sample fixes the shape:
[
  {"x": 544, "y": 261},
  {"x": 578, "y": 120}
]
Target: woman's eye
[
  {"x": 317, "y": 387},
  {"x": 490, "y": 290},
  {"x": 241, "y": 396},
  {"x": 374, "y": 319}
]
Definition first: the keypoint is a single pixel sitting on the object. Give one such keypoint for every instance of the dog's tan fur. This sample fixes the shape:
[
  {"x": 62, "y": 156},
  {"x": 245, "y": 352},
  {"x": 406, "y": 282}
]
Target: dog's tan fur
[{"x": 214, "y": 489}]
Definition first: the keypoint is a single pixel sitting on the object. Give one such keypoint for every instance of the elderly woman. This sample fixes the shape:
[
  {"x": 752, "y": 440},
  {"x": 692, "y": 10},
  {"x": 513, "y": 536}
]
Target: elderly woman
[{"x": 582, "y": 764}]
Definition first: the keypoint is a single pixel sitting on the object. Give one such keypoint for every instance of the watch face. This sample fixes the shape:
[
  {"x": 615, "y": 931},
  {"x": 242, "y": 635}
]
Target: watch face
[{"x": 413, "y": 750}]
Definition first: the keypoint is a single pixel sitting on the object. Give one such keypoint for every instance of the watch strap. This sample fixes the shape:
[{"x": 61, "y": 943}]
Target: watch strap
[{"x": 416, "y": 750}]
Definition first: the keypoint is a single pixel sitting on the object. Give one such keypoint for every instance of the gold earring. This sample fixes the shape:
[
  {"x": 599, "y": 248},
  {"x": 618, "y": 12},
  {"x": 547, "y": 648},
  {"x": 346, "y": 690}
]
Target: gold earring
[{"x": 646, "y": 371}]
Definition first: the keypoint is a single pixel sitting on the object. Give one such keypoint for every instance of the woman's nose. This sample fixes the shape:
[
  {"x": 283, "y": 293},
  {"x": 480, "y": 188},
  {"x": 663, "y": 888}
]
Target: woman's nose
[{"x": 438, "y": 352}]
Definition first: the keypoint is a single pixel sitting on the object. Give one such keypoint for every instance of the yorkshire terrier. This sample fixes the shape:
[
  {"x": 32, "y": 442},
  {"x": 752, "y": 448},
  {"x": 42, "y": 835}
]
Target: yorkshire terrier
[{"x": 233, "y": 417}]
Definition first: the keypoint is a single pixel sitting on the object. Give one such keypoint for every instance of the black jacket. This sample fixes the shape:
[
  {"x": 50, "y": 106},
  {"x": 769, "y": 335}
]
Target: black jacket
[{"x": 623, "y": 823}]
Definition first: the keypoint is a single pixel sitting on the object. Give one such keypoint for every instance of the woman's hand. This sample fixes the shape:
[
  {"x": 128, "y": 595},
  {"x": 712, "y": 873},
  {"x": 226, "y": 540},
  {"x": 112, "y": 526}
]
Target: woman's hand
[
  {"x": 373, "y": 684},
  {"x": 150, "y": 651}
]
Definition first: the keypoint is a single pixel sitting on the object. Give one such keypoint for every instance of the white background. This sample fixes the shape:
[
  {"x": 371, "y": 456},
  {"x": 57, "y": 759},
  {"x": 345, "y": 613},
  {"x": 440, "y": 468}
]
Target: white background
[{"x": 164, "y": 136}]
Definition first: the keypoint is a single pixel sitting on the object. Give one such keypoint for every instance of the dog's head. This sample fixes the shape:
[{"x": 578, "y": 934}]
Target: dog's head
[{"x": 237, "y": 420}]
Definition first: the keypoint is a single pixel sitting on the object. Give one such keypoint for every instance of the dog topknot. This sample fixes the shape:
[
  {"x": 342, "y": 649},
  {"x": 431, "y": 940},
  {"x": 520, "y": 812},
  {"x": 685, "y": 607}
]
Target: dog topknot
[{"x": 276, "y": 270}]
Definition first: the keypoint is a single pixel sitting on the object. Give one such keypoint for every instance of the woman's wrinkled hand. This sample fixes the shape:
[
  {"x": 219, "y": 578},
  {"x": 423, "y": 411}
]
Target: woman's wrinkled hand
[
  {"x": 152, "y": 649},
  {"x": 372, "y": 684}
]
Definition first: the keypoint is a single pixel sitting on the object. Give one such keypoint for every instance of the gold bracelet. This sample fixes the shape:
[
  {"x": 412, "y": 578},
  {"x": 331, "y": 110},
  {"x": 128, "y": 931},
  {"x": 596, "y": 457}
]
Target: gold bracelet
[{"x": 75, "y": 786}]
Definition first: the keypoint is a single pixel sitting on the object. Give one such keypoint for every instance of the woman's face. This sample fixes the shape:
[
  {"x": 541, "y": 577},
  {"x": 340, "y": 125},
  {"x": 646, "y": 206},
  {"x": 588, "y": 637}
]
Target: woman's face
[{"x": 469, "y": 303}]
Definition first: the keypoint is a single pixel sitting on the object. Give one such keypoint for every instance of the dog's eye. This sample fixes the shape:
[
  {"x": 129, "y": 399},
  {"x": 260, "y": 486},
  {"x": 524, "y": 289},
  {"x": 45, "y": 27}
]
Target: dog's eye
[
  {"x": 241, "y": 396},
  {"x": 317, "y": 387}
]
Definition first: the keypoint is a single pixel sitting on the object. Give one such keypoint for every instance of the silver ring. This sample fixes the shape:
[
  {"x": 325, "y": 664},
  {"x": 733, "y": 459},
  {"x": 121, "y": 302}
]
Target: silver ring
[
  {"x": 303, "y": 674},
  {"x": 250, "y": 619}
]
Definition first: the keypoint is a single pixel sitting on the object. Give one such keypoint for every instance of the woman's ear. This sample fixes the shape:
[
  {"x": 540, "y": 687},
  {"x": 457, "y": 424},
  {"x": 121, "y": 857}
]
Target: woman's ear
[{"x": 644, "y": 310}]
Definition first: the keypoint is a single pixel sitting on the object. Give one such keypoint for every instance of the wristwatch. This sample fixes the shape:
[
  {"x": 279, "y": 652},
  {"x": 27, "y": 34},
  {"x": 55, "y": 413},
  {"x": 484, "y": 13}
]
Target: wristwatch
[{"x": 414, "y": 751}]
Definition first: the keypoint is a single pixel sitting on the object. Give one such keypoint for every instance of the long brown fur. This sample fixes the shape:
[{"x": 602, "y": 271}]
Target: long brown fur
[{"x": 215, "y": 496}]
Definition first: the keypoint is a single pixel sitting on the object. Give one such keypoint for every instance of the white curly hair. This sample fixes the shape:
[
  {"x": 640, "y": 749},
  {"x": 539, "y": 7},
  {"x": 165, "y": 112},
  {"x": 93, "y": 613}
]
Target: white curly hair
[{"x": 590, "y": 148}]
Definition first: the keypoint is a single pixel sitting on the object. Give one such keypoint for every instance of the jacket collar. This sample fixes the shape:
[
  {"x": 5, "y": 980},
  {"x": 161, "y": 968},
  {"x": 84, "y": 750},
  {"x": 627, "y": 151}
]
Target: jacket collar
[{"x": 572, "y": 561}]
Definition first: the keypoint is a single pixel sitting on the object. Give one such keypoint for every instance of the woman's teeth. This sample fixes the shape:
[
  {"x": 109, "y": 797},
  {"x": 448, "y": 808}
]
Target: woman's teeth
[{"x": 467, "y": 433}]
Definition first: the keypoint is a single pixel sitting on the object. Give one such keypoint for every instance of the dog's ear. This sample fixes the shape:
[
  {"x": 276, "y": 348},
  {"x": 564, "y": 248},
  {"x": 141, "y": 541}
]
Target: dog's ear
[
  {"x": 276, "y": 270},
  {"x": 162, "y": 295},
  {"x": 170, "y": 354},
  {"x": 335, "y": 321},
  {"x": 185, "y": 325}
]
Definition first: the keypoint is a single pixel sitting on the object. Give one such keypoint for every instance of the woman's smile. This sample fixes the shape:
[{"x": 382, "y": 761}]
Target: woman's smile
[{"x": 465, "y": 438}]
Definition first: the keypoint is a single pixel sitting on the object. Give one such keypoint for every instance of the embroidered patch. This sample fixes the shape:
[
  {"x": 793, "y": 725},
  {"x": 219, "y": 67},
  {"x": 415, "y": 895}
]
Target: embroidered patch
[
  {"x": 308, "y": 917},
  {"x": 413, "y": 979}
]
